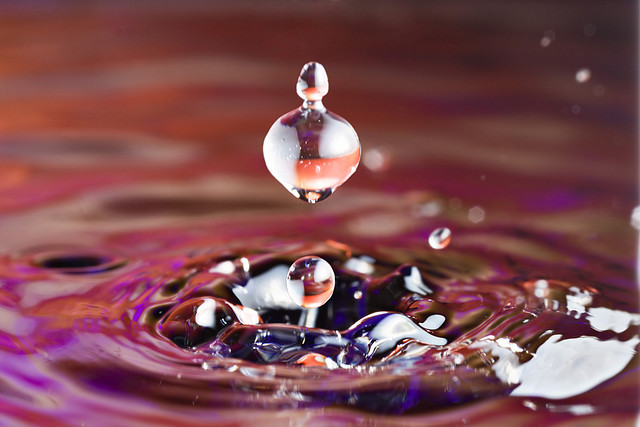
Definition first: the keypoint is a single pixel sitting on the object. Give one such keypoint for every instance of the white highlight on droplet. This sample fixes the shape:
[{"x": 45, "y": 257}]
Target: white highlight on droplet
[
  {"x": 548, "y": 37},
  {"x": 376, "y": 159}
]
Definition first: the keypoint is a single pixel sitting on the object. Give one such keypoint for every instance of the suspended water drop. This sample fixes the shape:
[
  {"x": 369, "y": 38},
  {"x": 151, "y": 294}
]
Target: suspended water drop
[
  {"x": 377, "y": 159},
  {"x": 476, "y": 214},
  {"x": 440, "y": 238},
  {"x": 583, "y": 75},
  {"x": 310, "y": 150},
  {"x": 310, "y": 282},
  {"x": 548, "y": 37}
]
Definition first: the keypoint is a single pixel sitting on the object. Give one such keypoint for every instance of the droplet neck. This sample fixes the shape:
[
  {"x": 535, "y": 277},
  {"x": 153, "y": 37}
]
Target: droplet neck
[{"x": 313, "y": 105}]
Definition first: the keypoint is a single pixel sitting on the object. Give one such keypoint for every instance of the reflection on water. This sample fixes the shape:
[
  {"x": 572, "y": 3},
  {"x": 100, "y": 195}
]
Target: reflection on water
[{"x": 484, "y": 259}]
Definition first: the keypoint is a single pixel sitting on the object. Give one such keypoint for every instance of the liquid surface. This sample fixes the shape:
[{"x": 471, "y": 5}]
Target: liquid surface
[{"x": 145, "y": 248}]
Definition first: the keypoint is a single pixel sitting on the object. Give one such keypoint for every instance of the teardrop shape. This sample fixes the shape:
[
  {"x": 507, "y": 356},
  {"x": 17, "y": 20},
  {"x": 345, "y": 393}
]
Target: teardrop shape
[{"x": 310, "y": 150}]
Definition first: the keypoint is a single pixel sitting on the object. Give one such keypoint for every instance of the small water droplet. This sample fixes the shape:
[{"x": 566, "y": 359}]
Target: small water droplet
[
  {"x": 310, "y": 282},
  {"x": 575, "y": 109},
  {"x": 440, "y": 238},
  {"x": 377, "y": 159},
  {"x": 635, "y": 218},
  {"x": 310, "y": 150},
  {"x": 548, "y": 37},
  {"x": 583, "y": 75},
  {"x": 476, "y": 214}
]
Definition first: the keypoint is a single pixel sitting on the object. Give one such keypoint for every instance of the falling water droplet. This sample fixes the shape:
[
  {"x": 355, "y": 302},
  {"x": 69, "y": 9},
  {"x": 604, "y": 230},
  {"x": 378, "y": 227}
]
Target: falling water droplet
[
  {"x": 310, "y": 282},
  {"x": 440, "y": 238},
  {"x": 310, "y": 150},
  {"x": 476, "y": 214},
  {"x": 548, "y": 37},
  {"x": 583, "y": 75}
]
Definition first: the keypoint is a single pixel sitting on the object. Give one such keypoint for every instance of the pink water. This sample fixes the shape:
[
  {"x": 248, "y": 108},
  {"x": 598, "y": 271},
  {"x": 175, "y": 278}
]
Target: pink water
[{"x": 133, "y": 192}]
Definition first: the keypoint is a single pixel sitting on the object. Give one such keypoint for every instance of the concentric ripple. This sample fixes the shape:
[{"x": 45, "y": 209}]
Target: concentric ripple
[{"x": 399, "y": 334}]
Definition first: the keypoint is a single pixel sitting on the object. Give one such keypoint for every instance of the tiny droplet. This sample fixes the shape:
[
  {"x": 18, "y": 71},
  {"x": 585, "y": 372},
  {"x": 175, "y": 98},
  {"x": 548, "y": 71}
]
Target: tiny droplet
[
  {"x": 548, "y": 37},
  {"x": 583, "y": 75},
  {"x": 310, "y": 282},
  {"x": 440, "y": 238},
  {"x": 476, "y": 214},
  {"x": 377, "y": 159}
]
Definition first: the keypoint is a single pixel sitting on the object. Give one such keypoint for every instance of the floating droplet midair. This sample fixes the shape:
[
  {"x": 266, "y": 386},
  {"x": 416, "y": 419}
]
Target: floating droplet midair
[
  {"x": 310, "y": 282},
  {"x": 440, "y": 238},
  {"x": 310, "y": 150}
]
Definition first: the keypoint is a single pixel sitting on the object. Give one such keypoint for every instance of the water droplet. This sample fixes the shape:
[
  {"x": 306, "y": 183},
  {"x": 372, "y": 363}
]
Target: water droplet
[
  {"x": 377, "y": 159},
  {"x": 310, "y": 150},
  {"x": 310, "y": 282},
  {"x": 583, "y": 75},
  {"x": 548, "y": 37},
  {"x": 476, "y": 214},
  {"x": 635, "y": 218},
  {"x": 440, "y": 238}
]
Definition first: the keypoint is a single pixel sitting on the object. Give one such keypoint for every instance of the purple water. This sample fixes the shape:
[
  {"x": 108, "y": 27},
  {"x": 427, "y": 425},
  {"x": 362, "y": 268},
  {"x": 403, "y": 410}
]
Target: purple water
[{"x": 145, "y": 247}]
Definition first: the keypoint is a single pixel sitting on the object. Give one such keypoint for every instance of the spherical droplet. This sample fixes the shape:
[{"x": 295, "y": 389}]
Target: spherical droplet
[
  {"x": 583, "y": 75},
  {"x": 377, "y": 159},
  {"x": 548, "y": 37},
  {"x": 310, "y": 150},
  {"x": 310, "y": 282},
  {"x": 440, "y": 238},
  {"x": 476, "y": 214}
]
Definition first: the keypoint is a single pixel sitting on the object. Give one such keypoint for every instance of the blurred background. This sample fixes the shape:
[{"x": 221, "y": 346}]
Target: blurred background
[
  {"x": 487, "y": 89},
  {"x": 134, "y": 127}
]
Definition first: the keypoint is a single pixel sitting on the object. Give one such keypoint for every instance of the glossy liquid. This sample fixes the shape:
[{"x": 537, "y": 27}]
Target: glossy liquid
[
  {"x": 310, "y": 282},
  {"x": 311, "y": 151},
  {"x": 145, "y": 249}
]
